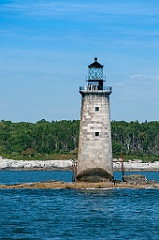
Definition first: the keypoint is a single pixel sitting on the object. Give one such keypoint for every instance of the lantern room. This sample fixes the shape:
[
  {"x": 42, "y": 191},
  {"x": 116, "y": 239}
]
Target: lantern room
[{"x": 95, "y": 75}]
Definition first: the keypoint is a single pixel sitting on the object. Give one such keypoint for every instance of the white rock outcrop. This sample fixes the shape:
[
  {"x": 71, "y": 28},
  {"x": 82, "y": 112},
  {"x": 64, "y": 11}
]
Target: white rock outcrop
[
  {"x": 131, "y": 165},
  {"x": 32, "y": 164},
  {"x": 136, "y": 165}
]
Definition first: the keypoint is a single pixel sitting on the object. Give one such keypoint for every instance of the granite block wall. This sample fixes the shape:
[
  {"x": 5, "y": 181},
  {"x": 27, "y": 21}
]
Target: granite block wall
[{"x": 95, "y": 148}]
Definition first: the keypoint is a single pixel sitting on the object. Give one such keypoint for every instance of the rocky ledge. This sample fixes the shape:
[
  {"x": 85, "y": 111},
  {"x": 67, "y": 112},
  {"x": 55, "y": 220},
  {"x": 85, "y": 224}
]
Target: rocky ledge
[{"x": 83, "y": 185}]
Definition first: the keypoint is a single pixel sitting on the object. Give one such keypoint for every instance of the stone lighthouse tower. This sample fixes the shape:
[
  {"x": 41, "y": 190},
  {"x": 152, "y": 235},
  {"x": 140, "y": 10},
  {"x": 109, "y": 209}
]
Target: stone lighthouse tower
[{"x": 95, "y": 147}]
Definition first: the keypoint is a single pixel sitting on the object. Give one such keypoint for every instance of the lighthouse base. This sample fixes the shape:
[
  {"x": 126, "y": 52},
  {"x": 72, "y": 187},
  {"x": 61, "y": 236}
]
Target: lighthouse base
[{"x": 94, "y": 175}]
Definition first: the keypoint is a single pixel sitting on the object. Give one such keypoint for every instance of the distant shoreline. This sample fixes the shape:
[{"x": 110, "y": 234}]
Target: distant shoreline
[{"x": 131, "y": 165}]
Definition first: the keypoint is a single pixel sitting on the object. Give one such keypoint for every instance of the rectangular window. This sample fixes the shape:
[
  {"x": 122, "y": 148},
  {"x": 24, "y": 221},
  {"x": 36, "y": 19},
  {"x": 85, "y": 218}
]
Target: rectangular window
[
  {"x": 96, "y": 134},
  {"x": 96, "y": 109}
]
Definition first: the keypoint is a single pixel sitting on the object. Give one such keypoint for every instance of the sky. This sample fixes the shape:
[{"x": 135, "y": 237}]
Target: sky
[{"x": 46, "y": 47}]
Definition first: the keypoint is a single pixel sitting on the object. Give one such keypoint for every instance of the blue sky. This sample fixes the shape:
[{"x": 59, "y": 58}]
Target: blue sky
[{"x": 46, "y": 47}]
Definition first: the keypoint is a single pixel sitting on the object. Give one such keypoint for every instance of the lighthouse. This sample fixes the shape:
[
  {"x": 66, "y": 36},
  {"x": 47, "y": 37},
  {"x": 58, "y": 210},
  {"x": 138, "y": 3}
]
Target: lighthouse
[{"x": 95, "y": 147}]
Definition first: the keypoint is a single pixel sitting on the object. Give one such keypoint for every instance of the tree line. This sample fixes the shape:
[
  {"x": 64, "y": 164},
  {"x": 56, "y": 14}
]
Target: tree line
[
  {"x": 44, "y": 139},
  {"x": 139, "y": 140}
]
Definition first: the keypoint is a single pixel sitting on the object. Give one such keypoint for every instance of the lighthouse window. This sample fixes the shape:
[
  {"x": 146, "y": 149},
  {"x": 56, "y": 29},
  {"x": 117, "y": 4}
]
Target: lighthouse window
[
  {"x": 96, "y": 134},
  {"x": 96, "y": 109}
]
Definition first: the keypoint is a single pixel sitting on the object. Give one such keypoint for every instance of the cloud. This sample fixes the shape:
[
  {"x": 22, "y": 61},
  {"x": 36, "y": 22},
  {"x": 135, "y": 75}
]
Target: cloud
[
  {"x": 91, "y": 8},
  {"x": 136, "y": 88},
  {"x": 121, "y": 22},
  {"x": 136, "y": 80},
  {"x": 140, "y": 77}
]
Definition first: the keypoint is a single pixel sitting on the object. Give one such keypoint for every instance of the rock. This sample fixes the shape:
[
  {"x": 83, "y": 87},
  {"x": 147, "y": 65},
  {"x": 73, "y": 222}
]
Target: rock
[
  {"x": 32, "y": 164},
  {"x": 137, "y": 165},
  {"x": 134, "y": 178}
]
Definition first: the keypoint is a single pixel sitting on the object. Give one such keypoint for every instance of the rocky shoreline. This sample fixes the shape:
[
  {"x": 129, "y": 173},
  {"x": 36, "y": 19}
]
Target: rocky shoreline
[
  {"x": 10, "y": 164},
  {"x": 131, "y": 165},
  {"x": 136, "y": 165}
]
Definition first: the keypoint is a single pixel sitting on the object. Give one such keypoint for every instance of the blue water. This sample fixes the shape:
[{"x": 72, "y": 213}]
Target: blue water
[
  {"x": 76, "y": 214},
  {"x": 33, "y": 176},
  {"x": 11, "y": 177}
]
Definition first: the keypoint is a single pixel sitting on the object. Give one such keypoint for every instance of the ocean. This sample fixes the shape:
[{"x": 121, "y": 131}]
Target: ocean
[{"x": 76, "y": 214}]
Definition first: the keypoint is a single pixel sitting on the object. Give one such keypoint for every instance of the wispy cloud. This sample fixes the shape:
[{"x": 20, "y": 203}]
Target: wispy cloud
[
  {"x": 121, "y": 22},
  {"x": 140, "y": 77},
  {"x": 136, "y": 80},
  {"x": 137, "y": 87},
  {"x": 114, "y": 7}
]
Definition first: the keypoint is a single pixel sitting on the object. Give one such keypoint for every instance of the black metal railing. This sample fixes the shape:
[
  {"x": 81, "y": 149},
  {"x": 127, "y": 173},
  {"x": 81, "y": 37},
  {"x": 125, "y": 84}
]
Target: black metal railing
[{"x": 94, "y": 88}]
